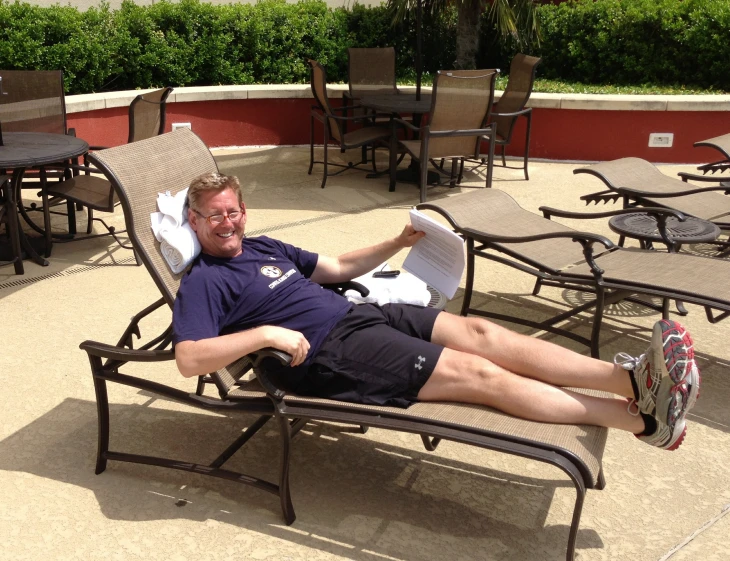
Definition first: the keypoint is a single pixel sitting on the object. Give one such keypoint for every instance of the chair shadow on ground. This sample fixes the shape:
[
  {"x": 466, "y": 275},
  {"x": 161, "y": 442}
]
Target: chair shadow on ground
[
  {"x": 619, "y": 332},
  {"x": 352, "y": 495}
]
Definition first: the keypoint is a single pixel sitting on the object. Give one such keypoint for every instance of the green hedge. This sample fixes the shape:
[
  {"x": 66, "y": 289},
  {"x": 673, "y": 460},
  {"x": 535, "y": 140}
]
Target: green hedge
[
  {"x": 633, "y": 42},
  {"x": 638, "y": 42},
  {"x": 193, "y": 43}
]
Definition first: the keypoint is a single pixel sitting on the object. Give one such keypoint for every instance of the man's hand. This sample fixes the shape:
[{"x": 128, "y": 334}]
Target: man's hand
[
  {"x": 409, "y": 236},
  {"x": 289, "y": 341}
]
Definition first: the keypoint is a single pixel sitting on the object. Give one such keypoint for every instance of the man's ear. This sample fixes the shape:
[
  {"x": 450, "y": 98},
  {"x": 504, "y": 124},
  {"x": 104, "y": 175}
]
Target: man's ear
[{"x": 193, "y": 219}]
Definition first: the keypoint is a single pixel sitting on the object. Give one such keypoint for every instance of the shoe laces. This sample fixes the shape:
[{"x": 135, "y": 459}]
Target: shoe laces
[
  {"x": 628, "y": 408},
  {"x": 626, "y": 361}
]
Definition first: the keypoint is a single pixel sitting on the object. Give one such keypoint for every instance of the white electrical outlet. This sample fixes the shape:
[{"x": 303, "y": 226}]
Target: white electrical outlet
[
  {"x": 176, "y": 126},
  {"x": 661, "y": 140}
]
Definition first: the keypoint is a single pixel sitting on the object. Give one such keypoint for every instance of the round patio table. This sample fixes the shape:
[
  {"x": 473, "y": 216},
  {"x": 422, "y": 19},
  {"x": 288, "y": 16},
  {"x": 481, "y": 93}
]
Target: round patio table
[
  {"x": 22, "y": 150},
  {"x": 643, "y": 227}
]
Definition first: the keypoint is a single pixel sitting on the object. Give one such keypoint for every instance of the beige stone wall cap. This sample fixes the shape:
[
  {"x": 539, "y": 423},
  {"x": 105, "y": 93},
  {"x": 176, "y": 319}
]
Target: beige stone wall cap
[{"x": 90, "y": 102}]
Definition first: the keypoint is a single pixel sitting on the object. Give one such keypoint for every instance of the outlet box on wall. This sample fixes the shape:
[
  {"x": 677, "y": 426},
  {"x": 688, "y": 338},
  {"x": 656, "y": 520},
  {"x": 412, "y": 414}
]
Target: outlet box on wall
[
  {"x": 176, "y": 126},
  {"x": 661, "y": 140}
]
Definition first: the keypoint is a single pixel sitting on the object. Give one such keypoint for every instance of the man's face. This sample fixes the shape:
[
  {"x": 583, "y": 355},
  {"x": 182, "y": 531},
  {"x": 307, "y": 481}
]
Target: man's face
[{"x": 224, "y": 239}]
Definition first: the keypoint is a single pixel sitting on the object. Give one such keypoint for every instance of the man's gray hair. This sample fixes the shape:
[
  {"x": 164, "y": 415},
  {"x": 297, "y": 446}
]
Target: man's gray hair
[{"x": 212, "y": 181}]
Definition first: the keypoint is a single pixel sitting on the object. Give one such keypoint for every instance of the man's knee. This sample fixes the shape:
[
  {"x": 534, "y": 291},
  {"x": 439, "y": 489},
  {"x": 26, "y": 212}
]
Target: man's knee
[{"x": 457, "y": 375}]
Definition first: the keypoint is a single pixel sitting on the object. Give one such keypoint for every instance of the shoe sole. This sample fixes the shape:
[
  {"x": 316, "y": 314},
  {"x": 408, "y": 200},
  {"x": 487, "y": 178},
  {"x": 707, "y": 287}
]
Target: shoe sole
[
  {"x": 680, "y": 364},
  {"x": 678, "y": 349}
]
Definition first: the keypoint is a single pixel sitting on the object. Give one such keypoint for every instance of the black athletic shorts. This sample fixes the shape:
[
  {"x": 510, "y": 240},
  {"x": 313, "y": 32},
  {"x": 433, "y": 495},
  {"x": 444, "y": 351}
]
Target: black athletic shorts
[{"x": 375, "y": 355}]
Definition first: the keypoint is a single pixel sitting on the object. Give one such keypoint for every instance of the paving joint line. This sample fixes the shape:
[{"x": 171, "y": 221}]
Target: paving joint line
[{"x": 696, "y": 533}]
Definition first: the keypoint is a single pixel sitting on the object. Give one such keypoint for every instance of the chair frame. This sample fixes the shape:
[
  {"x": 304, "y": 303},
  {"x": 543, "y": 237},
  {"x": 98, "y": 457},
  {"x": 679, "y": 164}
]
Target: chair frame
[
  {"x": 325, "y": 114},
  {"x": 500, "y": 248},
  {"x": 73, "y": 170},
  {"x": 722, "y": 145},
  {"x": 425, "y": 134},
  {"x": 290, "y": 412},
  {"x": 632, "y": 198}
]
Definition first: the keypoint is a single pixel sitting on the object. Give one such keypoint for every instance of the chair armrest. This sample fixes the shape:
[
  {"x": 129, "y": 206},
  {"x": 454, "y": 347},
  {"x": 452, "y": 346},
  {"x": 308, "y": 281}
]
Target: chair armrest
[
  {"x": 524, "y": 111},
  {"x": 547, "y": 212},
  {"x": 406, "y": 124},
  {"x": 98, "y": 147},
  {"x": 579, "y": 237},
  {"x": 655, "y": 195},
  {"x": 257, "y": 358},
  {"x": 112, "y": 352},
  {"x": 467, "y": 132},
  {"x": 342, "y": 287},
  {"x": 686, "y": 176}
]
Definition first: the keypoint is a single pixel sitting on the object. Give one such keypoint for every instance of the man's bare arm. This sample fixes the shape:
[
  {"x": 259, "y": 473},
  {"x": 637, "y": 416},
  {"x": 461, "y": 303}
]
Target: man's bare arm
[
  {"x": 196, "y": 358},
  {"x": 355, "y": 263}
]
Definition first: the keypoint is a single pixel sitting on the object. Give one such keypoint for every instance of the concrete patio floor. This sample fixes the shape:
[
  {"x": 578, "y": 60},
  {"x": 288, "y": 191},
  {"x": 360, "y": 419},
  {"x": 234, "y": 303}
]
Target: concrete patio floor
[{"x": 357, "y": 497}]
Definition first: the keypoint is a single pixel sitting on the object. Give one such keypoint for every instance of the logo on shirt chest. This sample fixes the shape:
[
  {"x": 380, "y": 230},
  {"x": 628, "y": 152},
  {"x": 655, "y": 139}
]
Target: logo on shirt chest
[{"x": 271, "y": 271}]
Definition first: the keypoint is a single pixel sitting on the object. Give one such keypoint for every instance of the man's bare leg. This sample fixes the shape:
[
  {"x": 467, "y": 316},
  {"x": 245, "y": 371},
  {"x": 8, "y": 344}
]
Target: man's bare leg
[
  {"x": 468, "y": 378},
  {"x": 529, "y": 356}
]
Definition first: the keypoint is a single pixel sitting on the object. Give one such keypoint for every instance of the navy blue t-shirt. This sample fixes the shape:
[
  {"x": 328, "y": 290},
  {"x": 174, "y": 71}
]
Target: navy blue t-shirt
[{"x": 268, "y": 284}]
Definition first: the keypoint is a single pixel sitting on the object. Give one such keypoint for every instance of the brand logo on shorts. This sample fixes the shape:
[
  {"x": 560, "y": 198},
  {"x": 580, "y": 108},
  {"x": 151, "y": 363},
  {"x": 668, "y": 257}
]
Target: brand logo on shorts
[
  {"x": 271, "y": 271},
  {"x": 421, "y": 360}
]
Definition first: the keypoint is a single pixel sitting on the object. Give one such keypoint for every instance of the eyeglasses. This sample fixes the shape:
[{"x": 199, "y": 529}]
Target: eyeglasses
[{"x": 216, "y": 219}]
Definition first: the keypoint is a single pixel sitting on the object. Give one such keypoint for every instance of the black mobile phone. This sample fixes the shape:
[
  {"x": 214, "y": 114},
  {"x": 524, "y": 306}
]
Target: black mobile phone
[{"x": 386, "y": 274}]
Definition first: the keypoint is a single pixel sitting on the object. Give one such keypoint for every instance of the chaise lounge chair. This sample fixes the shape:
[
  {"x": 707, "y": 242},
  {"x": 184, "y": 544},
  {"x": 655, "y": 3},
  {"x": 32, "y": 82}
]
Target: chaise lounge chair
[
  {"x": 180, "y": 156},
  {"x": 641, "y": 183},
  {"x": 722, "y": 145},
  {"x": 497, "y": 228}
]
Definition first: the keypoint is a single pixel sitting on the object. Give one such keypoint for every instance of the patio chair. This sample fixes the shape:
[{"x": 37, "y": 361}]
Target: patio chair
[
  {"x": 512, "y": 105},
  {"x": 9, "y": 217},
  {"x": 497, "y": 228},
  {"x": 722, "y": 144},
  {"x": 33, "y": 101},
  {"x": 641, "y": 183},
  {"x": 460, "y": 105},
  {"x": 367, "y": 136},
  {"x": 146, "y": 119},
  {"x": 179, "y": 157}
]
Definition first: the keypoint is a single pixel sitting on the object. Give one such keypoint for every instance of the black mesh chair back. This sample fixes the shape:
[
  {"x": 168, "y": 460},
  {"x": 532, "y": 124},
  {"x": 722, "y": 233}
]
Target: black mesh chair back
[
  {"x": 147, "y": 115},
  {"x": 517, "y": 93},
  {"x": 32, "y": 101},
  {"x": 371, "y": 71},
  {"x": 318, "y": 80}
]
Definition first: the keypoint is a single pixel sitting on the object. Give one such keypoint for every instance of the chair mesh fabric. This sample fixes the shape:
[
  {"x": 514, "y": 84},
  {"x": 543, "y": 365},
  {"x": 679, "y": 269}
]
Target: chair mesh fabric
[
  {"x": 371, "y": 71},
  {"x": 669, "y": 272},
  {"x": 639, "y": 175},
  {"x": 319, "y": 90},
  {"x": 586, "y": 442},
  {"x": 495, "y": 213},
  {"x": 141, "y": 170},
  {"x": 721, "y": 143},
  {"x": 147, "y": 115},
  {"x": 460, "y": 102},
  {"x": 517, "y": 93},
  {"x": 33, "y": 101}
]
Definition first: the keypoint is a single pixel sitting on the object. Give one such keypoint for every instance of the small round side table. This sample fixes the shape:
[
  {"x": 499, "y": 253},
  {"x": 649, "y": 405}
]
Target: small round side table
[{"x": 643, "y": 227}]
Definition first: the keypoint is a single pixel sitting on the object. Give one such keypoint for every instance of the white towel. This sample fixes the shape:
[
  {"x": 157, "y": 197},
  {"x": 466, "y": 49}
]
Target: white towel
[
  {"x": 179, "y": 247},
  {"x": 178, "y": 242},
  {"x": 403, "y": 289}
]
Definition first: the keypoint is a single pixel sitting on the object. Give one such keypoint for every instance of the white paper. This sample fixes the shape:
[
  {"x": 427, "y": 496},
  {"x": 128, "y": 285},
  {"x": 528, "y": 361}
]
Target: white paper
[{"x": 437, "y": 258}]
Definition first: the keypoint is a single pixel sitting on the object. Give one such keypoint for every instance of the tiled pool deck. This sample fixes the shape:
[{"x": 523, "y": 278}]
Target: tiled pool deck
[{"x": 373, "y": 496}]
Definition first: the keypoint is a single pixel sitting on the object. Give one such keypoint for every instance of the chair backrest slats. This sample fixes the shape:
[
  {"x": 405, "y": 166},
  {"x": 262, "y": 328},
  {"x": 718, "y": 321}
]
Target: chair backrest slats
[
  {"x": 147, "y": 115},
  {"x": 318, "y": 79},
  {"x": 462, "y": 100},
  {"x": 32, "y": 101},
  {"x": 138, "y": 172},
  {"x": 517, "y": 93},
  {"x": 371, "y": 71}
]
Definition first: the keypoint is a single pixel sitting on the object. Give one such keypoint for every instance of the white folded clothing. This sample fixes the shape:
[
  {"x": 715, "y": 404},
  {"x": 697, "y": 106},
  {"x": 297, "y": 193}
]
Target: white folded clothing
[
  {"x": 403, "y": 289},
  {"x": 179, "y": 247}
]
